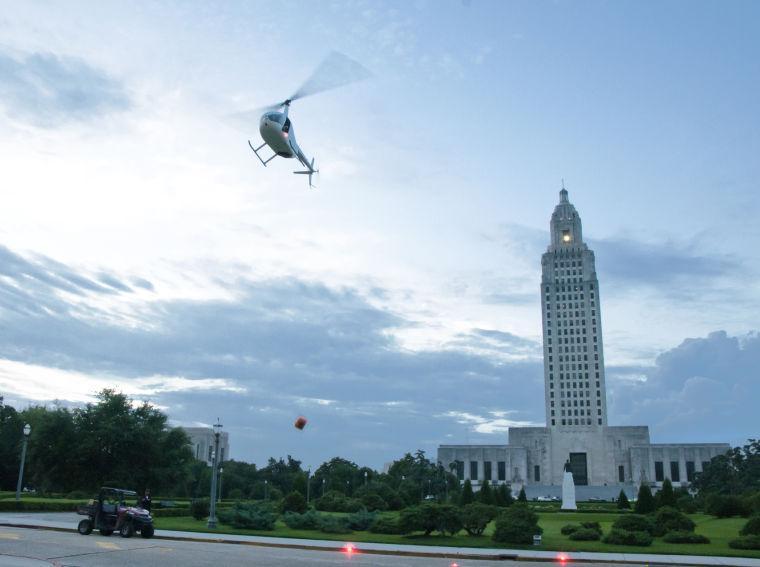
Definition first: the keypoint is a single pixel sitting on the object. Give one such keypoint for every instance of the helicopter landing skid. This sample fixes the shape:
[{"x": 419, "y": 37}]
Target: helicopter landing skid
[{"x": 256, "y": 151}]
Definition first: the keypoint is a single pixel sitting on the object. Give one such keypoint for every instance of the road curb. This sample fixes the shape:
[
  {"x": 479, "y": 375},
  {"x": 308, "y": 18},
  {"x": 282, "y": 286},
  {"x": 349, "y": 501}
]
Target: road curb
[{"x": 404, "y": 553}]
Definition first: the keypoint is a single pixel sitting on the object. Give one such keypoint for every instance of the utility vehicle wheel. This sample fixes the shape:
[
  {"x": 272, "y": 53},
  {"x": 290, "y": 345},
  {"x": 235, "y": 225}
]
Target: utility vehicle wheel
[
  {"x": 105, "y": 532},
  {"x": 85, "y": 527},
  {"x": 147, "y": 532},
  {"x": 127, "y": 530}
]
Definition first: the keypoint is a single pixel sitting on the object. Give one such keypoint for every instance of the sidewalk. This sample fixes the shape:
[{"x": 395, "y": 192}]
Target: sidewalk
[{"x": 68, "y": 522}]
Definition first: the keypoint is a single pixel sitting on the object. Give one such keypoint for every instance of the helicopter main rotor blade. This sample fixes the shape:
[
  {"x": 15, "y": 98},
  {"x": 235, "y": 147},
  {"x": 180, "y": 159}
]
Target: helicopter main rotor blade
[{"x": 336, "y": 70}]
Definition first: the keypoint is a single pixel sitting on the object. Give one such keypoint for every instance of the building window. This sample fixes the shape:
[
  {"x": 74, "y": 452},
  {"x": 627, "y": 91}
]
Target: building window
[
  {"x": 537, "y": 473},
  {"x": 621, "y": 473},
  {"x": 474, "y": 470},
  {"x": 460, "y": 470},
  {"x": 659, "y": 474},
  {"x": 675, "y": 472},
  {"x": 690, "y": 470},
  {"x": 487, "y": 470},
  {"x": 501, "y": 470},
  {"x": 600, "y": 421}
]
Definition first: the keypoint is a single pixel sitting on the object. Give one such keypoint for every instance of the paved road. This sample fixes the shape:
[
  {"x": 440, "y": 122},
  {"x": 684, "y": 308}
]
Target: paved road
[{"x": 22, "y": 547}]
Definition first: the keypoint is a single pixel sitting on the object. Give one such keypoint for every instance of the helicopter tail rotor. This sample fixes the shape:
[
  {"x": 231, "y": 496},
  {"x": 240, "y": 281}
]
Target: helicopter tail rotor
[{"x": 311, "y": 171}]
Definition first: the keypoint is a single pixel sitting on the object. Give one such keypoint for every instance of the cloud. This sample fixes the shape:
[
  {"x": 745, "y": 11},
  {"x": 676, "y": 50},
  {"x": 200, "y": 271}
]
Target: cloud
[
  {"x": 495, "y": 422},
  {"x": 273, "y": 349},
  {"x": 705, "y": 389},
  {"x": 47, "y": 90},
  {"x": 624, "y": 260}
]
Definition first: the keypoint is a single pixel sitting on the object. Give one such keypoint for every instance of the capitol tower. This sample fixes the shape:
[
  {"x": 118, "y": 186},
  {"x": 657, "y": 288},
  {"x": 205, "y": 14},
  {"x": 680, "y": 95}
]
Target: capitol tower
[
  {"x": 575, "y": 392},
  {"x": 603, "y": 458}
]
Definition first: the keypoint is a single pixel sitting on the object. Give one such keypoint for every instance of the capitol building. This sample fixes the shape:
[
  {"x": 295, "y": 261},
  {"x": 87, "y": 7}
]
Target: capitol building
[{"x": 602, "y": 457}]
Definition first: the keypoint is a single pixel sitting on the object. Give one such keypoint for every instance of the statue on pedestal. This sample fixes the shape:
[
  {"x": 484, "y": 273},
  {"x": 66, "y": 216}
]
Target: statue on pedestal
[{"x": 568, "y": 489}]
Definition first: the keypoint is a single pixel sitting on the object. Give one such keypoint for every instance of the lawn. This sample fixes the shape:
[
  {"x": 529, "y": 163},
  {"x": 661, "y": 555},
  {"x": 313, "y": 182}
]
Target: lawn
[{"x": 720, "y": 531}]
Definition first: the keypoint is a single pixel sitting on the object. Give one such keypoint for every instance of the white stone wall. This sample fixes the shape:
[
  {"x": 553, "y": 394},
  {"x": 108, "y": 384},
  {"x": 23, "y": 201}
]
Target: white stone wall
[
  {"x": 644, "y": 460},
  {"x": 514, "y": 459}
]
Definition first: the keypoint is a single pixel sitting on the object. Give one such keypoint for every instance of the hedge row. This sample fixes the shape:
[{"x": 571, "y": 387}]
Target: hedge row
[{"x": 26, "y": 506}]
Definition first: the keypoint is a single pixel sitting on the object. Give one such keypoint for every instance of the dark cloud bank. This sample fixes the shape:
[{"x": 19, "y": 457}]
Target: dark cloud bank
[{"x": 302, "y": 348}]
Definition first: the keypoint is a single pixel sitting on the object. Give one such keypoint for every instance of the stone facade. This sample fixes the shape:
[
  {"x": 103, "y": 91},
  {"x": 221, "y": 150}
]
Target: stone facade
[
  {"x": 612, "y": 457},
  {"x": 202, "y": 443}
]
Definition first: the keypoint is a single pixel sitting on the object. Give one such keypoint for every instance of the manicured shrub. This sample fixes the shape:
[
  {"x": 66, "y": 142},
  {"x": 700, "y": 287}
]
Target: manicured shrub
[
  {"x": 684, "y": 537},
  {"x": 467, "y": 496},
  {"x": 334, "y": 525},
  {"x": 522, "y": 497},
  {"x": 634, "y": 523},
  {"x": 622, "y": 501},
  {"x": 725, "y": 506},
  {"x": 669, "y": 519},
  {"x": 503, "y": 497},
  {"x": 752, "y": 527},
  {"x": 249, "y": 516},
  {"x": 418, "y": 519},
  {"x": 171, "y": 513},
  {"x": 666, "y": 496},
  {"x": 294, "y": 502},
  {"x": 361, "y": 521},
  {"x": 568, "y": 529},
  {"x": 745, "y": 542},
  {"x": 585, "y": 534},
  {"x": 596, "y": 526},
  {"x": 475, "y": 517},
  {"x": 374, "y": 502},
  {"x": 625, "y": 537},
  {"x": 485, "y": 494},
  {"x": 517, "y": 524},
  {"x": 687, "y": 504},
  {"x": 79, "y": 495},
  {"x": 386, "y": 525},
  {"x": 200, "y": 508},
  {"x": 307, "y": 521},
  {"x": 644, "y": 500},
  {"x": 334, "y": 501},
  {"x": 449, "y": 519}
]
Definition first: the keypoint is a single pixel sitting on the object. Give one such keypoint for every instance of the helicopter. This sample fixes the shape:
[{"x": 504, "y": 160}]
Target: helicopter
[{"x": 276, "y": 127}]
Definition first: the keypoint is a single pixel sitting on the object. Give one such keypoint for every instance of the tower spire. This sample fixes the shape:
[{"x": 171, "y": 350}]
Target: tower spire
[{"x": 563, "y": 193}]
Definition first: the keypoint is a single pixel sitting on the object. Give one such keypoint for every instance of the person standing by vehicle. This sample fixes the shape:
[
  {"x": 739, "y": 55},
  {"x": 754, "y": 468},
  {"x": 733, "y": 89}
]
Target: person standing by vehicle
[{"x": 145, "y": 501}]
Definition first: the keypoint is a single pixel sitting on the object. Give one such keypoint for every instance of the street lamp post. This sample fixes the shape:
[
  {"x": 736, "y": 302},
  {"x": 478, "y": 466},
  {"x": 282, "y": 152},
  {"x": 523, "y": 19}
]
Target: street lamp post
[
  {"x": 308, "y": 483},
  {"x": 215, "y": 456},
  {"x": 365, "y": 479},
  {"x": 323, "y": 487},
  {"x": 266, "y": 493},
  {"x": 221, "y": 470},
  {"x": 27, "y": 431}
]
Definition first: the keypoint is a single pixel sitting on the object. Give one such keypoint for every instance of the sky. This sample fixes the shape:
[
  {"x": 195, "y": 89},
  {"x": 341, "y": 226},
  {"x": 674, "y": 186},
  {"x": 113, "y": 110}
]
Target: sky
[{"x": 396, "y": 306}]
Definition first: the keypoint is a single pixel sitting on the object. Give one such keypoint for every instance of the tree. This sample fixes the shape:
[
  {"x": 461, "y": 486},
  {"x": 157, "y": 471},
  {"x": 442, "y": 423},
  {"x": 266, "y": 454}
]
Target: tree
[
  {"x": 517, "y": 524},
  {"x": 467, "y": 496},
  {"x": 644, "y": 501},
  {"x": 666, "y": 496},
  {"x": 736, "y": 472},
  {"x": 294, "y": 502},
  {"x": 622, "y": 501},
  {"x": 485, "y": 495},
  {"x": 522, "y": 497},
  {"x": 503, "y": 497},
  {"x": 475, "y": 517}
]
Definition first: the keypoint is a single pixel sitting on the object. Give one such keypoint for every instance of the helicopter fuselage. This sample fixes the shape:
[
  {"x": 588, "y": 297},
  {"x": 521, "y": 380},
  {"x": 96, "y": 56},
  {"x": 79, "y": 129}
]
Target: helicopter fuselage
[{"x": 277, "y": 131}]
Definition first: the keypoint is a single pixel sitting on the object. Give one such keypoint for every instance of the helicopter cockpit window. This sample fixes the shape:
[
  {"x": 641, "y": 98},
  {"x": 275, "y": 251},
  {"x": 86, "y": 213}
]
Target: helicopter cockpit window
[
  {"x": 286, "y": 128},
  {"x": 274, "y": 117}
]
